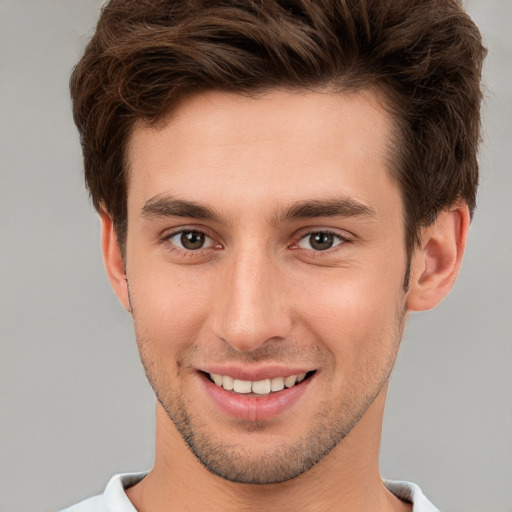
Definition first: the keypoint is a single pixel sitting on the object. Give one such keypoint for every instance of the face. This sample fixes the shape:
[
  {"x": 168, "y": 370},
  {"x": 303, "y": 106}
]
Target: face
[{"x": 265, "y": 261}]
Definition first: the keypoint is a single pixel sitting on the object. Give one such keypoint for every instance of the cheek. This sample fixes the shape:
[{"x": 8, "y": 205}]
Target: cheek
[
  {"x": 356, "y": 318},
  {"x": 169, "y": 307}
]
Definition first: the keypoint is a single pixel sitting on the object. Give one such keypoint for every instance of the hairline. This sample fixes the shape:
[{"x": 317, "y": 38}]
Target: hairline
[{"x": 393, "y": 152}]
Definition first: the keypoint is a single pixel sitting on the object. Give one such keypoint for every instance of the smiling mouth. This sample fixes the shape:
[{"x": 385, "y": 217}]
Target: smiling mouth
[{"x": 258, "y": 387}]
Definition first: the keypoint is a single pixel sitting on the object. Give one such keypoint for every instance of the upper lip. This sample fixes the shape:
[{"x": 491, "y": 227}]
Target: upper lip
[{"x": 254, "y": 373}]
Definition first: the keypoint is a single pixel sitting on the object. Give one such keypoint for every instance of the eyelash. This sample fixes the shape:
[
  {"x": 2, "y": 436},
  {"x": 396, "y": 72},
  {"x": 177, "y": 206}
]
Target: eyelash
[
  {"x": 166, "y": 239},
  {"x": 173, "y": 247},
  {"x": 341, "y": 240}
]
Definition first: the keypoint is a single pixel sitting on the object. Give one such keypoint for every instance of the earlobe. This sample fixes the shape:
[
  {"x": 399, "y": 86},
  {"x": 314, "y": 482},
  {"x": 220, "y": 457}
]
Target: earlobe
[
  {"x": 436, "y": 262},
  {"x": 113, "y": 260}
]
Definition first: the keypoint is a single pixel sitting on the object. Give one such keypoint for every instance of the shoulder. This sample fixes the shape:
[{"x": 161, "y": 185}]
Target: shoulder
[
  {"x": 114, "y": 498},
  {"x": 408, "y": 491},
  {"x": 94, "y": 504}
]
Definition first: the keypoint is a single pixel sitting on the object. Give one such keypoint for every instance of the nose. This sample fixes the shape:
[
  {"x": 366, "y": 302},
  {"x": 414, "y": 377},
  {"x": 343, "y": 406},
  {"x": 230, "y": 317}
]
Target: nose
[{"x": 252, "y": 307}]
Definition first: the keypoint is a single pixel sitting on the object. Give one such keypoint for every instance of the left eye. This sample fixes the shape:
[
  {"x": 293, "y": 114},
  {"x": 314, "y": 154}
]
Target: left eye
[
  {"x": 191, "y": 240},
  {"x": 320, "y": 241}
]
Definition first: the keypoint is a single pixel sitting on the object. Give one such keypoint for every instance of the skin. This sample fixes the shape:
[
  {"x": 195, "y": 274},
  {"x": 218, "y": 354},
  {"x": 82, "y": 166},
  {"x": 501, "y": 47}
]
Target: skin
[{"x": 258, "y": 294}]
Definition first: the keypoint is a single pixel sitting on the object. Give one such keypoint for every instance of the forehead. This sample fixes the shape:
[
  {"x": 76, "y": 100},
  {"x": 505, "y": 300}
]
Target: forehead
[{"x": 270, "y": 149}]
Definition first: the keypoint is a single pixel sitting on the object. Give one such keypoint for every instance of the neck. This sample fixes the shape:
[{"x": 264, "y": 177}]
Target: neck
[{"x": 346, "y": 479}]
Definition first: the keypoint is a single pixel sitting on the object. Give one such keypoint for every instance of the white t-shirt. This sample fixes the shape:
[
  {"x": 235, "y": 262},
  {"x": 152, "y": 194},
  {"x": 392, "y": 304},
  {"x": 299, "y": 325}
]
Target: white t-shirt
[{"x": 114, "y": 498}]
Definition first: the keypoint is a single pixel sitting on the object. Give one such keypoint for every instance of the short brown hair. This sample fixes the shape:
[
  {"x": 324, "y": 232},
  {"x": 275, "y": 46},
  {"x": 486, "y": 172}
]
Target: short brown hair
[{"x": 425, "y": 55}]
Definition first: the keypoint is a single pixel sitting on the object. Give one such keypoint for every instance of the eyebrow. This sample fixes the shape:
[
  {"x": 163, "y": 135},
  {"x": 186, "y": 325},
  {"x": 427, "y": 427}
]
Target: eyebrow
[
  {"x": 170, "y": 206},
  {"x": 334, "y": 207}
]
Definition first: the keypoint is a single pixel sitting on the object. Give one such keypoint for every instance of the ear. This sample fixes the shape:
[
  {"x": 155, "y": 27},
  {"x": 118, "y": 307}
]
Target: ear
[
  {"x": 113, "y": 260},
  {"x": 436, "y": 262}
]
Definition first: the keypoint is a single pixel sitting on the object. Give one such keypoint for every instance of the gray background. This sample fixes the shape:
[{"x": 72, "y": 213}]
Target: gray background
[{"x": 74, "y": 404}]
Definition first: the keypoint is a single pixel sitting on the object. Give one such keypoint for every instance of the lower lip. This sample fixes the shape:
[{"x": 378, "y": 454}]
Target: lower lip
[{"x": 254, "y": 408}]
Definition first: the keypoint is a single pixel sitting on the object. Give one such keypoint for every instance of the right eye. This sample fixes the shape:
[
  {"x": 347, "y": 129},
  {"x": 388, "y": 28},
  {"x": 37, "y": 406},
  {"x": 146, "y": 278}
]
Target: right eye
[{"x": 191, "y": 240}]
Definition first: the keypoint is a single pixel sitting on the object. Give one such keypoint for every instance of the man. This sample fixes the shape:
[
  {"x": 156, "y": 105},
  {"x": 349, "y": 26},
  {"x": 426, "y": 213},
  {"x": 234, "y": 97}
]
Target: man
[{"x": 280, "y": 183}]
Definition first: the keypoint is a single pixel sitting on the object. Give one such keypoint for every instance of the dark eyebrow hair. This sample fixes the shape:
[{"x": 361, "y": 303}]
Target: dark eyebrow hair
[
  {"x": 342, "y": 206},
  {"x": 169, "y": 206}
]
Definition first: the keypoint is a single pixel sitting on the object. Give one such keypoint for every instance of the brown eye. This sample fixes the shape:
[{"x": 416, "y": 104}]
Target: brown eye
[
  {"x": 320, "y": 241},
  {"x": 191, "y": 240}
]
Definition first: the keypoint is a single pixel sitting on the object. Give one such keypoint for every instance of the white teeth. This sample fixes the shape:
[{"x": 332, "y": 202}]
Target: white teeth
[
  {"x": 227, "y": 382},
  {"x": 242, "y": 386},
  {"x": 262, "y": 387},
  {"x": 277, "y": 383},
  {"x": 290, "y": 381},
  {"x": 216, "y": 378},
  {"x": 258, "y": 387}
]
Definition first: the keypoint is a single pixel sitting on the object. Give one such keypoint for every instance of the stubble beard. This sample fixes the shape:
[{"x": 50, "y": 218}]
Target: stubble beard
[{"x": 331, "y": 423}]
